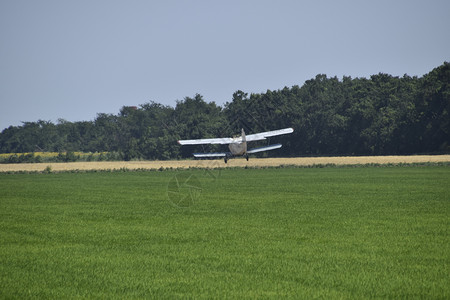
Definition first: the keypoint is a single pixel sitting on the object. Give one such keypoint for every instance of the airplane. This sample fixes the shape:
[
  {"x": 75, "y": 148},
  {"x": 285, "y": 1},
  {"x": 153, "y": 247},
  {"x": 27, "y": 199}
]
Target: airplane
[{"x": 237, "y": 145}]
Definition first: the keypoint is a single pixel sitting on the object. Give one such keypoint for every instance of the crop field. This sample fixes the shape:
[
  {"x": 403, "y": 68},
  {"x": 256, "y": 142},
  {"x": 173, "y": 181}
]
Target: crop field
[
  {"x": 333, "y": 232},
  {"x": 239, "y": 162}
]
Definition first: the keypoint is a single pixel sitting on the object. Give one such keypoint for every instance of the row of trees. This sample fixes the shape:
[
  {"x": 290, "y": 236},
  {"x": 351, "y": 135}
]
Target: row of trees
[{"x": 362, "y": 116}]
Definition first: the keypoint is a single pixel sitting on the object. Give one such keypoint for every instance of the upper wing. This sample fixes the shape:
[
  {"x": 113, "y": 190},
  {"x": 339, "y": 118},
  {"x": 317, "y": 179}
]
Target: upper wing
[
  {"x": 249, "y": 138},
  {"x": 206, "y": 141},
  {"x": 264, "y": 135}
]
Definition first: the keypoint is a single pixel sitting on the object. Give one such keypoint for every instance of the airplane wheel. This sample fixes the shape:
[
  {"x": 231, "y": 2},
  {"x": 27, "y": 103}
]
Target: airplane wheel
[
  {"x": 225, "y": 160},
  {"x": 246, "y": 157}
]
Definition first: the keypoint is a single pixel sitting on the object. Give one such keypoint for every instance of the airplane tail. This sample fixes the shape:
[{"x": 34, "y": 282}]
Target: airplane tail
[{"x": 244, "y": 139}]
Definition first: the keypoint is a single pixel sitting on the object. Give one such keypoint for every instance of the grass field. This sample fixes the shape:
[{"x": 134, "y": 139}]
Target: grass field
[{"x": 338, "y": 232}]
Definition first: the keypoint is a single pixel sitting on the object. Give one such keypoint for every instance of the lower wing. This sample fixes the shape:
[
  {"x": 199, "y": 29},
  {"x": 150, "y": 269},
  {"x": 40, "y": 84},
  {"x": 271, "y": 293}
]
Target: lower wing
[
  {"x": 218, "y": 154},
  {"x": 225, "y": 154},
  {"x": 266, "y": 148}
]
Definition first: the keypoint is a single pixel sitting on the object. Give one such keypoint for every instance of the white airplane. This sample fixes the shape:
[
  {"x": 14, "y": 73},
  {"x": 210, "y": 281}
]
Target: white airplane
[{"x": 237, "y": 145}]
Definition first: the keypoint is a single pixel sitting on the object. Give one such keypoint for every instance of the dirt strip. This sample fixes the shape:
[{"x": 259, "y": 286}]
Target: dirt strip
[{"x": 238, "y": 162}]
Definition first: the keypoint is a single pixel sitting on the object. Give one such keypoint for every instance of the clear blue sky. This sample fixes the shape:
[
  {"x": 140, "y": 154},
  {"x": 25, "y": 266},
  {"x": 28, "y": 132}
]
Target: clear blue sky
[{"x": 74, "y": 59}]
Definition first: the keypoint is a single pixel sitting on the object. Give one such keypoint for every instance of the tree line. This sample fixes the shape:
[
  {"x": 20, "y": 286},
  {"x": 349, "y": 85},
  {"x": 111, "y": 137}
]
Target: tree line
[{"x": 380, "y": 115}]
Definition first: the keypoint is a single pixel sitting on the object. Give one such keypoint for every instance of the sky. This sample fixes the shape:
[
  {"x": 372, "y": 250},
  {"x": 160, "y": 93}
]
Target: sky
[{"x": 70, "y": 60}]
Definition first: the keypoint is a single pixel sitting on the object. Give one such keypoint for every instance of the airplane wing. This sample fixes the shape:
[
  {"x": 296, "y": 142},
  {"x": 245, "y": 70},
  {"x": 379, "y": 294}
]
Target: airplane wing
[
  {"x": 218, "y": 154},
  {"x": 249, "y": 138},
  {"x": 264, "y": 135},
  {"x": 207, "y": 141},
  {"x": 265, "y": 148}
]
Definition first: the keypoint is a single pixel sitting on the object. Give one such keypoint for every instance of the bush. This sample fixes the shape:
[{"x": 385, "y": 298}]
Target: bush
[{"x": 69, "y": 156}]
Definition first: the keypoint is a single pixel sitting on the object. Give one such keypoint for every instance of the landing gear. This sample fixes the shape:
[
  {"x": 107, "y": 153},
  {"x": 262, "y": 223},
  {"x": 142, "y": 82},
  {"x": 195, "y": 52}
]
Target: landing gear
[
  {"x": 225, "y": 159},
  {"x": 246, "y": 157}
]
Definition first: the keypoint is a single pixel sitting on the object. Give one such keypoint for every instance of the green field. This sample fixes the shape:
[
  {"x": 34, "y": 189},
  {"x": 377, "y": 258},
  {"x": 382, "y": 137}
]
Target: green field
[{"x": 361, "y": 232}]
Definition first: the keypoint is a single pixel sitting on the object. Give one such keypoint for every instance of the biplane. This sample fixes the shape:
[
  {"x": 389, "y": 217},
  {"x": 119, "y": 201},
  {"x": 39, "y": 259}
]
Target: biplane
[{"x": 237, "y": 145}]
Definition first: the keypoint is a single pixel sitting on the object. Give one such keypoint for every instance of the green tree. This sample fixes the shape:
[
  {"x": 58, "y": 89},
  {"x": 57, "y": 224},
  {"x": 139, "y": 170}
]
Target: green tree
[{"x": 434, "y": 105}]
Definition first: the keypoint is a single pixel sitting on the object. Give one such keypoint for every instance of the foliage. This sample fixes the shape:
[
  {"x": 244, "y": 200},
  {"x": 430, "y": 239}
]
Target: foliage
[
  {"x": 379, "y": 115},
  {"x": 37, "y": 157},
  {"x": 281, "y": 233}
]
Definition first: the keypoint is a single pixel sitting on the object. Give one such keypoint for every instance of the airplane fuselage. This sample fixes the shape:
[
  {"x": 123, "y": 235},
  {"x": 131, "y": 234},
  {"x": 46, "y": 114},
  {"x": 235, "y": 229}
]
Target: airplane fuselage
[{"x": 240, "y": 146}]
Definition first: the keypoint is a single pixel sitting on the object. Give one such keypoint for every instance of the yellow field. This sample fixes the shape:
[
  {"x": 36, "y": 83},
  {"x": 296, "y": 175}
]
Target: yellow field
[
  {"x": 239, "y": 162},
  {"x": 49, "y": 154}
]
